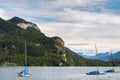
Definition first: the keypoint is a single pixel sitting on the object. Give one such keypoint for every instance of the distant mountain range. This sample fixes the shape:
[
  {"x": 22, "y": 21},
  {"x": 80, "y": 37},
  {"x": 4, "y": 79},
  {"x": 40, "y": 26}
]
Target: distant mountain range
[{"x": 107, "y": 57}]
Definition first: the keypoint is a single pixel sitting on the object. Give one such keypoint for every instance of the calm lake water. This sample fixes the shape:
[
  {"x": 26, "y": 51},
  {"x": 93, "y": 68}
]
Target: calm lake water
[{"x": 57, "y": 73}]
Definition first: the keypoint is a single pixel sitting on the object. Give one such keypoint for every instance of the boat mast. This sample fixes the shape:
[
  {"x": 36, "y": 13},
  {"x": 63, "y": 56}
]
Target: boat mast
[
  {"x": 112, "y": 60},
  {"x": 97, "y": 57},
  {"x": 25, "y": 55}
]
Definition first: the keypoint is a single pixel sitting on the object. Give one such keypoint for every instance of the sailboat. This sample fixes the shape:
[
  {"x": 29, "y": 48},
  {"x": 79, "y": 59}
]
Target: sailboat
[
  {"x": 96, "y": 72},
  {"x": 111, "y": 70},
  {"x": 25, "y": 71}
]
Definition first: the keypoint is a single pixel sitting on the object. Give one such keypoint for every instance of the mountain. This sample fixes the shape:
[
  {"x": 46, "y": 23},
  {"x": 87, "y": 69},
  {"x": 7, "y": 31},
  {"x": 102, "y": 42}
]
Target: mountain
[
  {"x": 86, "y": 56},
  {"x": 41, "y": 50},
  {"x": 107, "y": 57},
  {"x": 47, "y": 50},
  {"x": 24, "y": 24},
  {"x": 100, "y": 56},
  {"x": 116, "y": 56},
  {"x": 6, "y": 27}
]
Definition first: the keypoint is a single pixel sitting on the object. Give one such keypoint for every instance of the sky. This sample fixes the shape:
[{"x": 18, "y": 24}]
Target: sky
[{"x": 80, "y": 23}]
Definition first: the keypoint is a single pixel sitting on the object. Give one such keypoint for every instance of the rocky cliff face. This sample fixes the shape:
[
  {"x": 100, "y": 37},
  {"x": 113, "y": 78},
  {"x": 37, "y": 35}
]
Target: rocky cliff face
[
  {"x": 24, "y": 24},
  {"x": 60, "y": 48},
  {"x": 27, "y": 25}
]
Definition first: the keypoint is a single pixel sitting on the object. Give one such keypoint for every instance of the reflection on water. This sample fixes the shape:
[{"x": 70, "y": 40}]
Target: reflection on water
[{"x": 57, "y": 73}]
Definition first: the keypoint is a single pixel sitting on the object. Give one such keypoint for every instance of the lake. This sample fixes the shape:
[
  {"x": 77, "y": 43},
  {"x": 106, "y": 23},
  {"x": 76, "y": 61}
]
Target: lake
[{"x": 57, "y": 73}]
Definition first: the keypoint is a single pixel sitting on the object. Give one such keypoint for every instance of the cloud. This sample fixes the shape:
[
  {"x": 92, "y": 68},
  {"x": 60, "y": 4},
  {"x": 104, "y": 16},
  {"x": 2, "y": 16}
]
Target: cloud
[
  {"x": 90, "y": 28},
  {"x": 56, "y": 2},
  {"x": 66, "y": 3},
  {"x": 2, "y": 11},
  {"x": 75, "y": 21},
  {"x": 69, "y": 15},
  {"x": 3, "y": 14},
  {"x": 45, "y": 8},
  {"x": 78, "y": 44}
]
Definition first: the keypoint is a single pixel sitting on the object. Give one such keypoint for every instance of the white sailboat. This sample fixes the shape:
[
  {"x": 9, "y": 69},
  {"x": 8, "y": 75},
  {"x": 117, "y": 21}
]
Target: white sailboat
[
  {"x": 96, "y": 72},
  {"x": 25, "y": 71}
]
